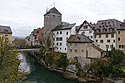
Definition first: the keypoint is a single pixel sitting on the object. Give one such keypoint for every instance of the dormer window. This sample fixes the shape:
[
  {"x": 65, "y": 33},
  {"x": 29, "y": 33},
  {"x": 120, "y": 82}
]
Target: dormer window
[{"x": 78, "y": 38}]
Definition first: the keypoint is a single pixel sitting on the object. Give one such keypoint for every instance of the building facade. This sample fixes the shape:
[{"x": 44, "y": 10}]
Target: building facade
[
  {"x": 33, "y": 38},
  {"x": 87, "y": 29},
  {"x": 6, "y": 31},
  {"x": 105, "y": 33},
  {"x": 120, "y": 37},
  {"x": 81, "y": 47},
  {"x": 60, "y": 35}
]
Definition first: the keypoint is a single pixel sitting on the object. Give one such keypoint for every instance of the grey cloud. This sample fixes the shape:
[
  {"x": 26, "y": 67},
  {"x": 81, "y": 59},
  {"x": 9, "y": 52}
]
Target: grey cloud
[{"x": 30, "y": 12}]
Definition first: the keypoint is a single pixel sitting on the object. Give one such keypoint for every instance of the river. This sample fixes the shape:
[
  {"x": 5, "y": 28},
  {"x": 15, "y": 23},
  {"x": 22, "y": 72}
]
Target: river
[{"x": 37, "y": 73}]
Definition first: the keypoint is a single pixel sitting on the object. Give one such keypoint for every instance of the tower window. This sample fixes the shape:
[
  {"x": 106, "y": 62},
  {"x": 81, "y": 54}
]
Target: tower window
[{"x": 118, "y": 39}]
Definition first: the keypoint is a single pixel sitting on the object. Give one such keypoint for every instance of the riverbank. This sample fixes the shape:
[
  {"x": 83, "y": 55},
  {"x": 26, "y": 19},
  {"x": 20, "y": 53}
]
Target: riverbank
[{"x": 68, "y": 75}]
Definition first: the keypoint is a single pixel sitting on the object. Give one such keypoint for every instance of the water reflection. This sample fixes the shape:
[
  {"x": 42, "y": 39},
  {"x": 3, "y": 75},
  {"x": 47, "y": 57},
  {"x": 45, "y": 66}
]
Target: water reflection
[{"x": 24, "y": 65}]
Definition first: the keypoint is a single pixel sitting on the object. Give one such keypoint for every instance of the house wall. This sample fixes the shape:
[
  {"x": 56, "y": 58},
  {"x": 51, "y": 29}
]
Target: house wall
[
  {"x": 93, "y": 53},
  {"x": 9, "y": 36},
  {"x": 87, "y": 31},
  {"x": 105, "y": 44},
  {"x": 77, "y": 49},
  {"x": 85, "y": 52},
  {"x": 60, "y": 46},
  {"x": 120, "y": 44}
]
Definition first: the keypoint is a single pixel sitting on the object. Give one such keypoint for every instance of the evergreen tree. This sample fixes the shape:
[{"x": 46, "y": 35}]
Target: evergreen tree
[{"x": 8, "y": 62}]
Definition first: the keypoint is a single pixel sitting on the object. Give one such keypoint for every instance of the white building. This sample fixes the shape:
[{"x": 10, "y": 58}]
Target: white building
[
  {"x": 105, "y": 33},
  {"x": 86, "y": 29},
  {"x": 60, "y": 35}
]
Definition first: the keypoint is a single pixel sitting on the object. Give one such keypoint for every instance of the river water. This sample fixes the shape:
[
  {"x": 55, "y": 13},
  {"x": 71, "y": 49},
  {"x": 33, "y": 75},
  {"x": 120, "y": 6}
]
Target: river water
[{"x": 37, "y": 73}]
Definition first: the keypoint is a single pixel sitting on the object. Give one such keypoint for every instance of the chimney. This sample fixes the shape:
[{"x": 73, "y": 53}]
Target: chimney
[{"x": 124, "y": 20}]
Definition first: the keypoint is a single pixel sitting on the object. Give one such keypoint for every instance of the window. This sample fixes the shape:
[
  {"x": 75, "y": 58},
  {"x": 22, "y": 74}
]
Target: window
[
  {"x": 57, "y": 33},
  {"x": 111, "y": 46},
  {"x": 86, "y": 27},
  {"x": 60, "y": 32},
  {"x": 65, "y": 48},
  {"x": 60, "y": 44},
  {"x": 118, "y": 38},
  {"x": 122, "y": 46},
  {"x": 70, "y": 50},
  {"x": 118, "y": 32},
  {"x": 57, "y": 44},
  {"x": 108, "y": 41},
  {"x": 113, "y": 40},
  {"x": 119, "y": 46},
  {"x": 53, "y": 15},
  {"x": 101, "y": 41},
  {"x": 100, "y": 36},
  {"x": 66, "y": 33},
  {"x": 106, "y": 35},
  {"x": 107, "y": 46},
  {"x": 98, "y": 45},
  {"x": 60, "y": 38},
  {"x": 82, "y": 50},
  {"x": 96, "y": 40},
  {"x": 60, "y": 48},
  {"x": 75, "y": 50},
  {"x": 112, "y": 35},
  {"x": 91, "y": 37}
]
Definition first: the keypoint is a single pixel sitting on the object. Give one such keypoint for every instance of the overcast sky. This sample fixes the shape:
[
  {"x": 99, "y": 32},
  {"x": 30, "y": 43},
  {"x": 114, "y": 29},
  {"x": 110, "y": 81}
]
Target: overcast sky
[{"x": 25, "y": 15}]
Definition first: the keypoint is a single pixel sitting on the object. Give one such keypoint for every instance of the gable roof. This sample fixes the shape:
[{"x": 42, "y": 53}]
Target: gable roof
[
  {"x": 90, "y": 25},
  {"x": 107, "y": 26},
  {"x": 79, "y": 38},
  {"x": 63, "y": 26},
  {"x": 97, "y": 48},
  {"x": 5, "y": 29},
  {"x": 53, "y": 10}
]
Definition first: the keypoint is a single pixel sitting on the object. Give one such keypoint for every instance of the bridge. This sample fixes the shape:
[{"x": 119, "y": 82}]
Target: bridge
[{"x": 33, "y": 49}]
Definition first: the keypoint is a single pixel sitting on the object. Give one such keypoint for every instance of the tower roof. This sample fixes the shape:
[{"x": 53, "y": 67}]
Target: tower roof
[{"x": 53, "y": 10}]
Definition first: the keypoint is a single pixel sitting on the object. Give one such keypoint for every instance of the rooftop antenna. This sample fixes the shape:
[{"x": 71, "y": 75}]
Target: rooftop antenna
[
  {"x": 46, "y": 9},
  {"x": 54, "y": 4},
  {"x": 51, "y": 5}
]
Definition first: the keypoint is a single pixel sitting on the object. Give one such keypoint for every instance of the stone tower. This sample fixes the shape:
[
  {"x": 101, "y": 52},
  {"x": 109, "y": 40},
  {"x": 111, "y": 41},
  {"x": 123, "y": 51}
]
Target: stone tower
[{"x": 52, "y": 18}]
